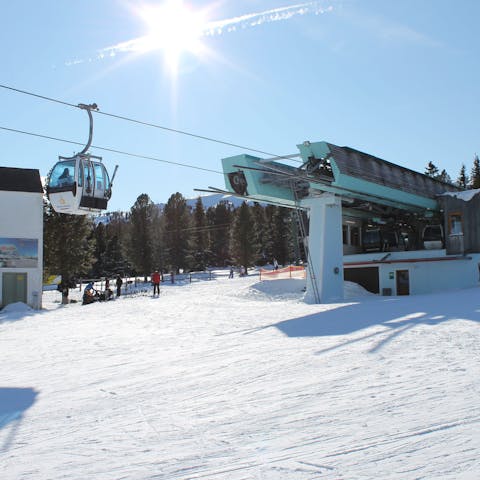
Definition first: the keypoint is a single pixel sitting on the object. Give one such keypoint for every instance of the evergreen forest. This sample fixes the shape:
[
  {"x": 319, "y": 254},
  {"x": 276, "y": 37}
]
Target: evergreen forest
[{"x": 170, "y": 238}]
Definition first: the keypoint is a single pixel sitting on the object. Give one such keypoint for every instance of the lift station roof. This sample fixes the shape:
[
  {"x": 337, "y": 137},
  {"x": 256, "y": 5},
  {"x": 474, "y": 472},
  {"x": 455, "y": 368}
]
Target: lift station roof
[{"x": 362, "y": 180}]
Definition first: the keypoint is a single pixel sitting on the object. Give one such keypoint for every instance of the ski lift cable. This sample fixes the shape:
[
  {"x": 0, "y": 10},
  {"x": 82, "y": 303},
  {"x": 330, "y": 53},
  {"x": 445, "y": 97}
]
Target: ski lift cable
[
  {"x": 106, "y": 149},
  {"x": 153, "y": 125}
]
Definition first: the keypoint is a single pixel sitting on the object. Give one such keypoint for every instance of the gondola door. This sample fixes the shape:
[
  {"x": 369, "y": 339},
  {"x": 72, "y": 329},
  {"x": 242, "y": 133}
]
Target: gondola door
[
  {"x": 88, "y": 184},
  {"x": 62, "y": 189},
  {"x": 94, "y": 185}
]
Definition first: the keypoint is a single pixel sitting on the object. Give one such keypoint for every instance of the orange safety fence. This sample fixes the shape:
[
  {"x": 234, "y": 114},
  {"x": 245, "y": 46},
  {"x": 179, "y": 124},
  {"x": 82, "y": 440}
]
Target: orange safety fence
[{"x": 287, "y": 272}]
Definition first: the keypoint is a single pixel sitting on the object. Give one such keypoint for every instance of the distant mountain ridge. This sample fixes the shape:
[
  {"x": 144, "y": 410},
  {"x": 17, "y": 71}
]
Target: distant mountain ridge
[
  {"x": 208, "y": 201},
  {"x": 214, "y": 199}
]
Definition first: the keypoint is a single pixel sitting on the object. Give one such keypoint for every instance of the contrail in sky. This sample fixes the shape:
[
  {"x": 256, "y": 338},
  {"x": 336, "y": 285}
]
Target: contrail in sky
[
  {"x": 254, "y": 19},
  {"x": 219, "y": 27}
]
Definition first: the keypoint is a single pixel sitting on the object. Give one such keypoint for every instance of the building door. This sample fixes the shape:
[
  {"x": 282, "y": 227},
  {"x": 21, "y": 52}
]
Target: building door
[
  {"x": 14, "y": 288},
  {"x": 403, "y": 282}
]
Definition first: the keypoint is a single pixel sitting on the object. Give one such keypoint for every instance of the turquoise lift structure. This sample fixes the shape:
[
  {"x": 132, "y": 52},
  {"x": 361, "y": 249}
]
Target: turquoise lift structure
[{"x": 329, "y": 179}]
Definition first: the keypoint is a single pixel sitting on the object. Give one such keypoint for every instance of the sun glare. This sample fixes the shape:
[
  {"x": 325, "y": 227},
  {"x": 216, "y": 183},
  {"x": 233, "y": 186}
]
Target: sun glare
[{"x": 174, "y": 29}]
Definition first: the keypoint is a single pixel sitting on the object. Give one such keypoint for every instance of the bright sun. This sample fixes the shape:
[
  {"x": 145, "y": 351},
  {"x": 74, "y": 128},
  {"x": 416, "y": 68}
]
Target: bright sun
[{"x": 174, "y": 29}]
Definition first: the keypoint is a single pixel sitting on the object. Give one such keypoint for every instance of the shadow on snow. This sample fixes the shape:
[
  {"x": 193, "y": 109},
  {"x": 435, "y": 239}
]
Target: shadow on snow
[
  {"x": 13, "y": 404},
  {"x": 395, "y": 314}
]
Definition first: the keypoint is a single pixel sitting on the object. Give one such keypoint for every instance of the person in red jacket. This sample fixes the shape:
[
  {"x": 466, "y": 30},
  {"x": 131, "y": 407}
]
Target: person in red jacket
[{"x": 156, "y": 282}]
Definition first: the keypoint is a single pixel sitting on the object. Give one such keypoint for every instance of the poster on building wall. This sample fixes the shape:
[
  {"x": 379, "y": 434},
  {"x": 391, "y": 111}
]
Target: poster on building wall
[{"x": 18, "y": 252}]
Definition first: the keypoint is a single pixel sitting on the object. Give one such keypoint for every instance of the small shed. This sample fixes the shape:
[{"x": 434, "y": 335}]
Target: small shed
[
  {"x": 462, "y": 221},
  {"x": 21, "y": 237}
]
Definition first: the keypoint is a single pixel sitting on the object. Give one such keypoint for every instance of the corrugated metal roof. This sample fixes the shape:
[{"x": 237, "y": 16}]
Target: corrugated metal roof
[{"x": 367, "y": 167}]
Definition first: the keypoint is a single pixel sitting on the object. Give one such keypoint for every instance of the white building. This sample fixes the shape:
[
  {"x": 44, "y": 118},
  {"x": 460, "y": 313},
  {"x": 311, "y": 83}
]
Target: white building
[{"x": 21, "y": 237}]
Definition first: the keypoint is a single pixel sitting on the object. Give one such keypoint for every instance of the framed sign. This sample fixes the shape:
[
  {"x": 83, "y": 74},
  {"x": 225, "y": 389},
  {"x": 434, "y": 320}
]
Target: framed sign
[{"x": 18, "y": 252}]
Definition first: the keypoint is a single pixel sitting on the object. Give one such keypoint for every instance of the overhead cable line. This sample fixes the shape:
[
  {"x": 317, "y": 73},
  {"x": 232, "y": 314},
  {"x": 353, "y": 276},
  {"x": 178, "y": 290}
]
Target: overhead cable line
[
  {"x": 153, "y": 125},
  {"x": 39, "y": 96},
  {"x": 195, "y": 230},
  {"x": 146, "y": 157}
]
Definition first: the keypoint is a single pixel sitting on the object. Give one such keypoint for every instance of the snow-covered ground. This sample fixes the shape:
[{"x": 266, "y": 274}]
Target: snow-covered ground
[{"x": 239, "y": 379}]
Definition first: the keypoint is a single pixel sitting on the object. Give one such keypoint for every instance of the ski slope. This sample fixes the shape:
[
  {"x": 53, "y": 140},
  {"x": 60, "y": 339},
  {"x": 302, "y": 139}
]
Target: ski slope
[{"x": 239, "y": 379}]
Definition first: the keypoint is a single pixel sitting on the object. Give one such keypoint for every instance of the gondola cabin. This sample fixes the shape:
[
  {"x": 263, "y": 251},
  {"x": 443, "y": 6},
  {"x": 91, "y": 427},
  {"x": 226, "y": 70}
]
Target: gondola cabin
[
  {"x": 432, "y": 237},
  {"x": 79, "y": 185},
  {"x": 372, "y": 240}
]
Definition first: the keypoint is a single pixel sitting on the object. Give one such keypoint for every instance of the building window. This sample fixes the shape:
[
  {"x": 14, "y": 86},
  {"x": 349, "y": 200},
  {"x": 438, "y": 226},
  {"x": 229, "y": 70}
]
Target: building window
[
  {"x": 355, "y": 236},
  {"x": 455, "y": 226},
  {"x": 351, "y": 233}
]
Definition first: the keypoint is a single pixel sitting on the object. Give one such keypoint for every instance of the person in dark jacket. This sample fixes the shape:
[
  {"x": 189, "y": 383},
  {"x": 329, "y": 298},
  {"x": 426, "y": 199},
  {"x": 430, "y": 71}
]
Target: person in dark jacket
[{"x": 119, "y": 283}]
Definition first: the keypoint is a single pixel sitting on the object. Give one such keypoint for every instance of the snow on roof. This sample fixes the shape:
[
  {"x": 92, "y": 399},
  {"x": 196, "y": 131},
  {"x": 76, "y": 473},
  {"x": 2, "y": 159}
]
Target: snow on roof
[{"x": 465, "y": 195}]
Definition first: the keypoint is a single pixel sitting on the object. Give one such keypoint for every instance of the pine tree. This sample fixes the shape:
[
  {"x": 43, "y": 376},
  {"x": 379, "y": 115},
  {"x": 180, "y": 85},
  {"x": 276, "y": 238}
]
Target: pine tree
[
  {"x": 114, "y": 260},
  {"x": 67, "y": 249},
  {"x": 268, "y": 243},
  {"x": 220, "y": 219},
  {"x": 296, "y": 239},
  {"x": 200, "y": 252},
  {"x": 443, "y": 176},
  {"x": 117, "y": 234},
  {"x": 141, "y": 239},
  {"x": 475, "y": 176},
  {"x": 259, "y": 234},
  {"x": 242, "y": 232},
  {"x": 281, "y": 235},
  {"x": 158, "y": 232},
  {"x": 177, "y": 234},
  {"x": 100, "y": 247},
  {"x": 431, "y": 170},
  {"x": 463, "y": 180}
]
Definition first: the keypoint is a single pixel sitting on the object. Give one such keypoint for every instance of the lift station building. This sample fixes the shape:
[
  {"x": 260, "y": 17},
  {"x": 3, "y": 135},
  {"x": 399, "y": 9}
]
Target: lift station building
[
  {"x": 388, "y": 228},
  {"x": 21, "y": 237}
]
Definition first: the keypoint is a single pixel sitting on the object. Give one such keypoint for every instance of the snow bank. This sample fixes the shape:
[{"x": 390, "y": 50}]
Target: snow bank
[
  {"x": 354, "y": 290},
  {"x": 294, "y": 289},
  {"x": 17, "y": 307}
]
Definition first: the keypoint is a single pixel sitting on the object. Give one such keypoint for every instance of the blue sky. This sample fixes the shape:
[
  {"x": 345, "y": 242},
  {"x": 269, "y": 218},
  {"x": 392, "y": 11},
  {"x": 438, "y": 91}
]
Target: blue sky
[{"x": 396, "y": 79}]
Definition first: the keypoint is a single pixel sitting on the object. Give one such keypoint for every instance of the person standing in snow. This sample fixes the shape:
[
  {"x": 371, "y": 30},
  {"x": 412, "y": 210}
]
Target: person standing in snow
[
  {"x": 156, "y": 282},
  {"x": 230, "y": 275},
  {"x": 275, "y": 264},
  {"x": 119, "y": 283}
]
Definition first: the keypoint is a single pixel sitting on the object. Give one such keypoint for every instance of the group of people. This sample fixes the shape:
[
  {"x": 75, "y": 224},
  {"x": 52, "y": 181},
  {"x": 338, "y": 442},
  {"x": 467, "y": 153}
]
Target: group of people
[
  {"x": 91, "y": 294},
  {"x": 242, "y": 271}
]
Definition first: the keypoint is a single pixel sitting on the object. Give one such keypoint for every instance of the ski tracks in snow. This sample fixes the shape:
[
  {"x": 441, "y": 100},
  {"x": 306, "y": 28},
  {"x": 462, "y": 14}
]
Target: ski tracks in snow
[{"x": 204, "y": 384}]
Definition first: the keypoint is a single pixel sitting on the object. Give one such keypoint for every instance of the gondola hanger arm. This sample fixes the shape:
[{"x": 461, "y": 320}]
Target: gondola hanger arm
[{"x": 88, "y": 108}]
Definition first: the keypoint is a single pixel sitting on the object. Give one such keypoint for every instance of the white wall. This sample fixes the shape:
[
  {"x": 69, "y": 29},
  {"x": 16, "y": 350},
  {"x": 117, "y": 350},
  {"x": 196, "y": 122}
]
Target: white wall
[
  {"x": 429, "y": 277},
  {"x": 426, "y": 276},
  {"x": 324, "y": 271},
  {"x": 21, "y": 216}
]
